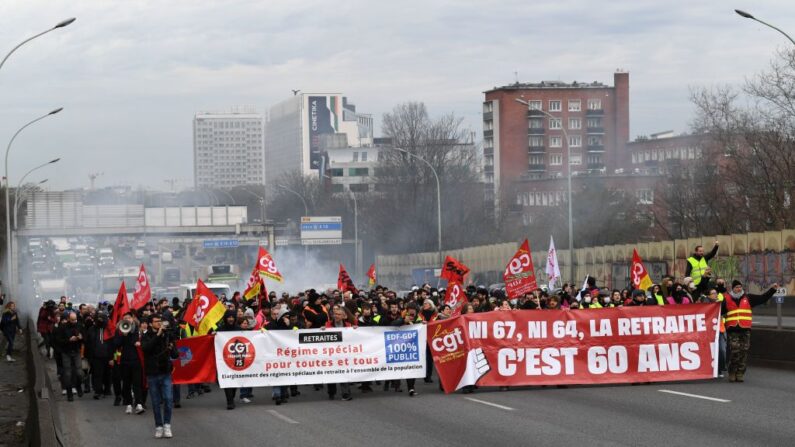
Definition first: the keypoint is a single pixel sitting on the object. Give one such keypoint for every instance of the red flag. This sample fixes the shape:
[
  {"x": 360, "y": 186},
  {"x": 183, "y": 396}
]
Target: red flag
[
  {"x": 204, "y": 310},
  {"x": 254, "y": 285},
  {"x": 344, "y": 281},
  {"x": 638, "y": 273},
  {"x": 371, "y": 275},
  {"x": 455, "y": 297},
  {"x": 196, "y": 362},
  {"x": 266, "y": 266},
  {"x": 453, "y": 270},
  {"x": 120, "y": 307},
  {"x": 143, "y": 293},
  {"x": 519, "y": 276}
]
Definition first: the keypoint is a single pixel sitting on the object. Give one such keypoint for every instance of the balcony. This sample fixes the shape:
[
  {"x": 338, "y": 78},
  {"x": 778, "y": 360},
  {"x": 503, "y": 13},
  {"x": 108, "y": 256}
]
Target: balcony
[
  {"x": 488, "y": 169},
  {"x": 595, "y": 166},
  {"x": 488, "y": 116},
  {"x": 596, "y": 148},
  {"x": 595, "y": 112},
  {"x": 596, "y": 130},
  {"x": 488, "y": 133},
  {"x": 536, "y": 131},
  {"x": 488, "y": 151},
  {"x": 535, "y": 113},
  {"x": 536, "y": 168},
  {"x": 536, "y": 149}
]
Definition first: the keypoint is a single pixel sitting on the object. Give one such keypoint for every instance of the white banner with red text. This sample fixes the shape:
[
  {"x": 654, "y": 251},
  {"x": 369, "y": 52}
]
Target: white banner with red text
[
  {"x": 564, "y": 347},
  {"x": 312, "y": 356}
]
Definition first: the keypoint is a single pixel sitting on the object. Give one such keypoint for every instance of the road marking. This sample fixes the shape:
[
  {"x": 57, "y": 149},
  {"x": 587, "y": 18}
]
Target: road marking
[
  {"x": 714, "y": 399},
  {"x": 501, "y": 407},
  {"x": 282, "y": 417}
]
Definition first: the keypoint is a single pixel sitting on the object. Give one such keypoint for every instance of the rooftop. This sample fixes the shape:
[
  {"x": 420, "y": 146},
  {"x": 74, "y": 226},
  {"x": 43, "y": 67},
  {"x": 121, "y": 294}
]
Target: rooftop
[{"x": 550, "y": 85}]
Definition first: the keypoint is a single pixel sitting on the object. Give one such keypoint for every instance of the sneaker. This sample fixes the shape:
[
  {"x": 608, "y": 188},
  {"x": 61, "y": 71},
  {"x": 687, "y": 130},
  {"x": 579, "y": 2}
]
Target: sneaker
[
  {"x": 412, "y": 393},
  {"x": 245, "y": 400},
  {"x": 427, "y": 380},
  {"x": 10, "y": 359},
  {"x": 346, "y": 397},
  {"x": 167, "y": 431},
  {"x": 158, "y": 432},
  {"x": 63, "y": 392},
  {"x": 230, "y": 406},
  {"x": 139, "y": 409},
  {"x": 191, "y": 395},
  {"x": 80, "y": 392},
  {"x": 177, "y": 405},
  {"x": 97, "y": 396},
  {"x": 295, "y": 393},
  {"x": 128, "y": 410}
]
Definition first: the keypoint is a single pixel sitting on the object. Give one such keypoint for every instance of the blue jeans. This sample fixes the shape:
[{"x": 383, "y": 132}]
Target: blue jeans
[
  {"x": 279, "y": 392},
  {"x": 160, "y": 390},
  {"x": 246, "y": 392},
  {"x": 10, "y": 336}
]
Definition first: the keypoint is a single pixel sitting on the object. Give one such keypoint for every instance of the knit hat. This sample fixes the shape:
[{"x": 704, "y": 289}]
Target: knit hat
[
  {"x": 249, "y": 312},
  {"x": 736, "y": 283}
]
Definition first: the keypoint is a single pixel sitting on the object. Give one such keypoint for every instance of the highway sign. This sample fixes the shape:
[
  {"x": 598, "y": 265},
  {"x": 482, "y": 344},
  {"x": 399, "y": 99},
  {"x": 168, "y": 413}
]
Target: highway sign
[
  {"x": 321, "y": 241},
  {"x": 221, "y": 243},
  {"x": 321, "y": 227}
]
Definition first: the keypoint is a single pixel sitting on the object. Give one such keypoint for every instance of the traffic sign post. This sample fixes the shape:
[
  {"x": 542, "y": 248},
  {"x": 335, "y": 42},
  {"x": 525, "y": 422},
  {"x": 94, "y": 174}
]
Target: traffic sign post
[
  {"x": 781, "y": 292},
  {"x": 221, "y": 243}
]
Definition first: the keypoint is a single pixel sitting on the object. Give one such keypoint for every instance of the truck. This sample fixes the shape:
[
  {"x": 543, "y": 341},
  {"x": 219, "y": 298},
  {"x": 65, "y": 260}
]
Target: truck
[
  {"x": 112, "y": 281},
  {"x": 50, "y": 289},
  {"x": 228, "y": 274}
]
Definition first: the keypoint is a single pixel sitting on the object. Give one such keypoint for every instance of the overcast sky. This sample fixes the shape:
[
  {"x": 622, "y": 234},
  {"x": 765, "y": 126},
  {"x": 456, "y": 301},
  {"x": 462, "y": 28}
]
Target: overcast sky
[{"x": 131, "y": 74}]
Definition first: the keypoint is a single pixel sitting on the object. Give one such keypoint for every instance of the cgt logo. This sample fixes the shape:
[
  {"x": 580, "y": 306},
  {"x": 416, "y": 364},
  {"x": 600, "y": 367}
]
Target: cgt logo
[
  {"x": 449, "y": 341},
  {"x": 239, "y": 353}
]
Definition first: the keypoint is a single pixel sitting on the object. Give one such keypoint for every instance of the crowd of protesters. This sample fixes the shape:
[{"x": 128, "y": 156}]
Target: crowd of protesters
[{"x": 138, "y": 355}]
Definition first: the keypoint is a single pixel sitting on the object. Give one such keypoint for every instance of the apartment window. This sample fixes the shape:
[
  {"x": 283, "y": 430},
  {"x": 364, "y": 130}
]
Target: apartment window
[
  {"x": 536, "y": 142},
  {"x": 594, "y": 140},
  {"x": 594, "y": 159},
  {"x": 555, "y": 123},
  {"x": 487, "y": 143},
  {"x": 576, "y": 159},
  {"x": 594, "y": 104},
  {"x": 488, "y": 107},
  {"x": 575, "y": 123},
  {"x": 555, "y": 141},
  {"x": 555, "y": 159},
  {"x": 488, "y": 125},
  {"x": 364, "y": 156},
  {"x": 534, "y": 105},
  {"x": 357, "y": 172},
  {"x": 536, "y": 123},
  {"x": 575, "y": 141},
  {"x": 536, "y": 159},
  {"x": 645, "y": 196},
  {"x": 355, "y": 157},
  {"x": 575, "y": 105},
  {"x": 594, "y": 122},
  {"x": 554, "y": 106}
]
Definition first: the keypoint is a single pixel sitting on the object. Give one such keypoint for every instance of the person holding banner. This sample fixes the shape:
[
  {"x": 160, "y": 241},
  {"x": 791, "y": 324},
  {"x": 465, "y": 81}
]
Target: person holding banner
[
  {"x": 342, "y": 318},
  {"x": 411, "y": 317},
  {"x": 229, "y": 323},
  {"x": 737, "y": 307},
  {"x": 278, "y": 320}
]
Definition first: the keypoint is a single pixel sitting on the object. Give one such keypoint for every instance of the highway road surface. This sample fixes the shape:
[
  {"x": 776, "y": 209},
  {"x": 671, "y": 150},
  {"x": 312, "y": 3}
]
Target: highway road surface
[{"x": 760, "y": 411}]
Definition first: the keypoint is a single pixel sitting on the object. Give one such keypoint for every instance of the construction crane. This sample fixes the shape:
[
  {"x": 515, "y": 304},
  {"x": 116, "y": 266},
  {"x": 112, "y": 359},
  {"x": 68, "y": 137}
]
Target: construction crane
[{"x": 93, "y": 176}]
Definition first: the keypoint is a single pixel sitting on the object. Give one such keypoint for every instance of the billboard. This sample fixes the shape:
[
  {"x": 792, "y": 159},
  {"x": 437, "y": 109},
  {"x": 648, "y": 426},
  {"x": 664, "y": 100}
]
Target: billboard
[
  {"x": 321, "y": 230},
  {"x": 324, "y": 118}
]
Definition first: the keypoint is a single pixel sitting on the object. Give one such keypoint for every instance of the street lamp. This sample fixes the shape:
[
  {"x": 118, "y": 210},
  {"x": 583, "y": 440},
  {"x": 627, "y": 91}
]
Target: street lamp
[
  {"x": 8, "y": 184},
  {"x": 19, "y": 185},
  {"x": 306, "y": 209},
  {"x": 568, "y": 184},
  {"x": 21, "y": 193},
  {"x": 742, "y": 13},
  {"x": 61, "y": 24},
  {"x": 438, "y": 200},
  {"x": 356, "y": 257},
  {"x": 261, "y": 203}
]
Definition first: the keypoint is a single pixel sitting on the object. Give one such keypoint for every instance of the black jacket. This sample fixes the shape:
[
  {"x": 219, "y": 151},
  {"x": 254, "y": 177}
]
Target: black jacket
[
  {"x": 96, "y": 346},
  {"x": 158, "y": 353},
  {"x": 63, "y": 334},
  {"x": 129, "y": 354}
]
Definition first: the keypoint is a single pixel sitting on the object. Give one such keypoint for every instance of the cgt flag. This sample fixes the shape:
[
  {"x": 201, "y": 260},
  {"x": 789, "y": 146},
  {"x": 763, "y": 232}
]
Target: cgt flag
[
  {"x": 638, "y": 273},
  {"x": 196, "y": 362},
  {"x": 143, "y": 292},
  {"x": 254, "y": 285},
  {"x": 266, "y": 266},
  {"x": 371, "y": 275},
  {"x": 120, "y": 307},
  {"x": 453, "y": 270},
  {"x": 455, "y": 298},
  {"x": 344, "y": 282},
  {"x": 519, "y": 276},
  {"x": 205, "y": 310}
]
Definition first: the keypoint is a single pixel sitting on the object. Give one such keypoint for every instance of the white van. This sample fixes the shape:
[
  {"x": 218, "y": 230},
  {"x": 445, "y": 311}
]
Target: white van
[{"x": 189, "y": 290}]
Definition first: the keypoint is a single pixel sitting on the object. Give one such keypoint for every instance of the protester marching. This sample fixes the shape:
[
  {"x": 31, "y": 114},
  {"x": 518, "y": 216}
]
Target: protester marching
[{"x": 142, "y": 351}]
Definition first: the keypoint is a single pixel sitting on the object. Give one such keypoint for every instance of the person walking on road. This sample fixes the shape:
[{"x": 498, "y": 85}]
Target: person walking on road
[
  {"x": 10, "y": 327},
  {"x": 737, "y": 308},
  {"x": 159, "y": 351}
]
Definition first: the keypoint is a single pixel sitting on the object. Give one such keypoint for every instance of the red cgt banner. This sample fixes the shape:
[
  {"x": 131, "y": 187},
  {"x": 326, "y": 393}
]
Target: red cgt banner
[
  {"x": 196, "y": 362},
  {"x": 557, "y": 347}
]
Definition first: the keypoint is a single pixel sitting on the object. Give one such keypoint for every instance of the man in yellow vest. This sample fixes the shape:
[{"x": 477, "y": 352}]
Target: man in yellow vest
[{"x": 697, "y": 267}]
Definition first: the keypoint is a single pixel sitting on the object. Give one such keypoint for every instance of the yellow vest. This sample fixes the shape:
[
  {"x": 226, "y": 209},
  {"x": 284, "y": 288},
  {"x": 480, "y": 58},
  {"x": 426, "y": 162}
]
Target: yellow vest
[{"x": 698, "y": 267}]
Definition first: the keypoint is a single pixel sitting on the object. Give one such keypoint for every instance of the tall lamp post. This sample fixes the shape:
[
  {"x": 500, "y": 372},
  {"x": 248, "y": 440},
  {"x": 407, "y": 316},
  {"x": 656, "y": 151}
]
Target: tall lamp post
[
  {"x": 306, "y": 208},
  {"x": 19, "y": 185},
  {"x": 568, "y": 184},
  {"x": 742, "y": 13},
  {"x": 438, "y": 200},
  {"x": 356, "y": 257},
  {"x": 8, "y": 205},
  {"x": 61, "y": 24}
]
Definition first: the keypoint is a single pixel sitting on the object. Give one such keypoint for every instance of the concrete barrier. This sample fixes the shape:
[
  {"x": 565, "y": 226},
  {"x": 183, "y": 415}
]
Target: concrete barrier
[
  {"x": 771, "y": 345},
  {"x": 43, "y": 422}
]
